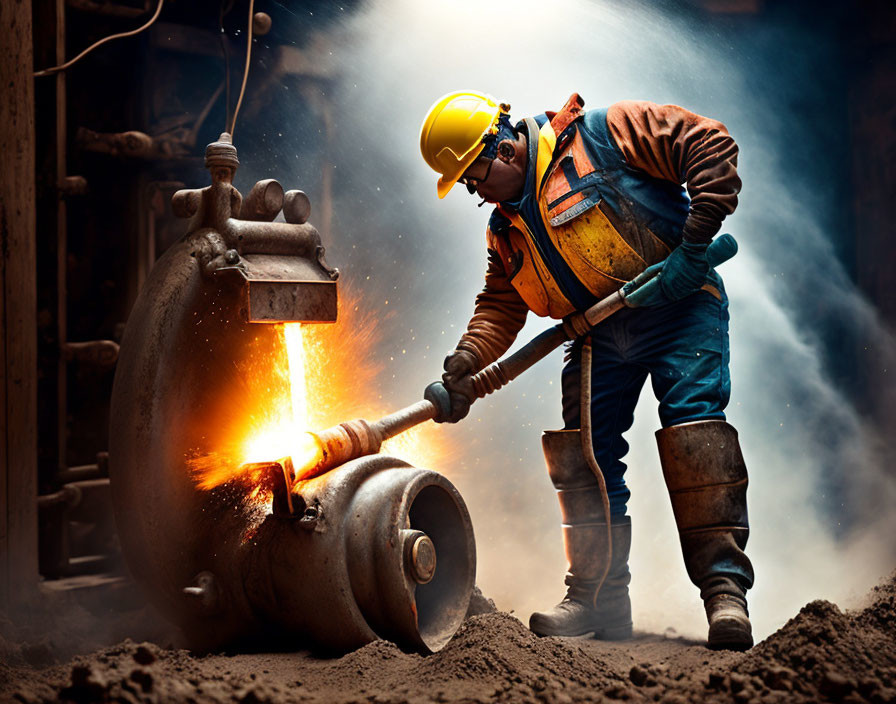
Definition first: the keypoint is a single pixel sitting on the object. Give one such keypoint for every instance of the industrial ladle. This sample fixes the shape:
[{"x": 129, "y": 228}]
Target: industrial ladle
[{"x": 357, "y": 438}]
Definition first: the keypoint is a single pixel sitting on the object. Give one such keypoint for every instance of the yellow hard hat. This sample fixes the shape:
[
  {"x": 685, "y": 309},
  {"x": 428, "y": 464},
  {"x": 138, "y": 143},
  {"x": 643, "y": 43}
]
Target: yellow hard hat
[{"x": 452, "y": 132}]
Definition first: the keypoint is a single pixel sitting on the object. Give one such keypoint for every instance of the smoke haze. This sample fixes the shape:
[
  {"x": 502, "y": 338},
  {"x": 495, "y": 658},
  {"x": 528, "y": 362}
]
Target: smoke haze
[{"x": 803, "y": 338}]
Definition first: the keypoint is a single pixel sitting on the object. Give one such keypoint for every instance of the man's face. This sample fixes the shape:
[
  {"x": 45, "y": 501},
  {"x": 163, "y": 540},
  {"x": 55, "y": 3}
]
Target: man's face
[{"x": 501, "y": 178}]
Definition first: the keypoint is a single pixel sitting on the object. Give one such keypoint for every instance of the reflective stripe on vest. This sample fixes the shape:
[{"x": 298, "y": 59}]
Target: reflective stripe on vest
[{"x": 547, "y": 140}]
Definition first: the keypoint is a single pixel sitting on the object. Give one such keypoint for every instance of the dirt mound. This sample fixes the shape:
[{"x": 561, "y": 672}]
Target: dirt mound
[
  {"x": 822, "y": 654},
  {"x": 121, "y": 673},
  {"x": 881, "y": 612},
  {"x": 495, "y": 657},
  {"x": 825, "y": 654}
]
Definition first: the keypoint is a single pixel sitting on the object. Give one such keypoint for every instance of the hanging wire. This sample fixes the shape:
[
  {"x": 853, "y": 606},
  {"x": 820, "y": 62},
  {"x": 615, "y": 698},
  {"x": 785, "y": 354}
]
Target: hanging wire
[
  {"x": 122, "y": 35},
  {"x": 239, "y": 101},
  {"x": 222, "y": 36}
]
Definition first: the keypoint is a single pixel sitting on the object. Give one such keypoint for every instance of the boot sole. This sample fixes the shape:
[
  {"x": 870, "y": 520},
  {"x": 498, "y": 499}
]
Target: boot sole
[
  {"x": 544, "y": 631},
  {"x": 730, "y": 635},
  {"x": 623, "y": 632}
]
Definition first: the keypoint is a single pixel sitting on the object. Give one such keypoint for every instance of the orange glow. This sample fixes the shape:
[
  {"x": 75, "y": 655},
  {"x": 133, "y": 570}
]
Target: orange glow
[
  {"x": 308, "y": 377},
  {"x": 286, "y": 435}
]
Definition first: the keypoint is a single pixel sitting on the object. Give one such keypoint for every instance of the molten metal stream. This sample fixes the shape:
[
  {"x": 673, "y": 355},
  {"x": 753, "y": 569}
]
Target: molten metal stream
[
  {"x": 280, "y": 438},
  {"x": 312, "y": 378},
  {"x": 313, "y": 454}
]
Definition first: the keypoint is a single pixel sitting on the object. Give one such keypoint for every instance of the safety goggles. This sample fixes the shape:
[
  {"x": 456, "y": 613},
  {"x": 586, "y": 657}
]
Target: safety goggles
[{"x": 472, "y": 183}]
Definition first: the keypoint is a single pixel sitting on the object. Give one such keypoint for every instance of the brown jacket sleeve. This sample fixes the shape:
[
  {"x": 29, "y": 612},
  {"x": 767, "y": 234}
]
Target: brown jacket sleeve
[
  {"x": 672, "y": 143},
  {"x": 498, "y": 317}
]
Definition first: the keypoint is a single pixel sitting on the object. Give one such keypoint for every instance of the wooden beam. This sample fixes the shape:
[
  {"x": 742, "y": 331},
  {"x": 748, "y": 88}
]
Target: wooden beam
[
  {"x": 61, "y": 245},
  {"x": 18, "y": 309}
]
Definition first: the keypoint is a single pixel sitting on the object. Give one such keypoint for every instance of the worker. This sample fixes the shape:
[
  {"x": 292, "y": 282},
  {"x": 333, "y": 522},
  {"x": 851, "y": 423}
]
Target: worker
[{"x": 584, "y": 200}]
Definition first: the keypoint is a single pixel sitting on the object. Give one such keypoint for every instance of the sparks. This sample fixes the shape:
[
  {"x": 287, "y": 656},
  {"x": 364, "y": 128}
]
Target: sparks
[{"x": 309, "y": 377}]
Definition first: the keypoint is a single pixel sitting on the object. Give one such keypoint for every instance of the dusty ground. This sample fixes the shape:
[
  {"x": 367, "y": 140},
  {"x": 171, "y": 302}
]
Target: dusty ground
[{"x": 822, "y": 654}]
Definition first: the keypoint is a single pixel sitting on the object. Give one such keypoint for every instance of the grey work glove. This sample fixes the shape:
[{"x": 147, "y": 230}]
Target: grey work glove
[{"x": 460, "y": 366}]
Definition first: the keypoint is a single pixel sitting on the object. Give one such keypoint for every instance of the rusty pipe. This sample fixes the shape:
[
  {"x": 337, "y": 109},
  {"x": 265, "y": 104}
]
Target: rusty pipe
[{"x": 358, "y": 438}]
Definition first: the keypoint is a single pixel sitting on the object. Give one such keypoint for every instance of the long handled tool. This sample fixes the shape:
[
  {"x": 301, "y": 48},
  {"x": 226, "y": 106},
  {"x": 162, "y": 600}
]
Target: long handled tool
[{"x": 356, "y": 438}]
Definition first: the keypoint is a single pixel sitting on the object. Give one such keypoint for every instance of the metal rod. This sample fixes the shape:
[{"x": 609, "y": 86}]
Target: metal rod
[
  {"x": 334, "y": 441},
  {"x": 604, "y": 308},
  {"x": 497, "y": 375},
  {"x": 405, "y": 419}
]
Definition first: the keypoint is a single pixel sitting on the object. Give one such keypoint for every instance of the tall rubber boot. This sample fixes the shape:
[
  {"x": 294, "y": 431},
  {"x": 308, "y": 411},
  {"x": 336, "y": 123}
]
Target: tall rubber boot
[
  {"x": 707, "y": 481},
  {"x": 613, "y": 607},
  {"x": 588, "y": 550}
]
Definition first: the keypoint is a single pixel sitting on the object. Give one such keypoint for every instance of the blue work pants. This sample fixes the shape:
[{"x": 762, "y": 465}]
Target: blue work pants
[{"x": 683, "y": 346}]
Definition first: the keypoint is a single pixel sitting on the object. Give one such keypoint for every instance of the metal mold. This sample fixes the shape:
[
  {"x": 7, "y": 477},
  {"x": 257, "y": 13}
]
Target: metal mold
[
  {"x": 341, "y": 571},
  {"x": 279, "y": 267},
  {"x": 279, "y": 289},
  {"x": 373, "y": 549}
]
